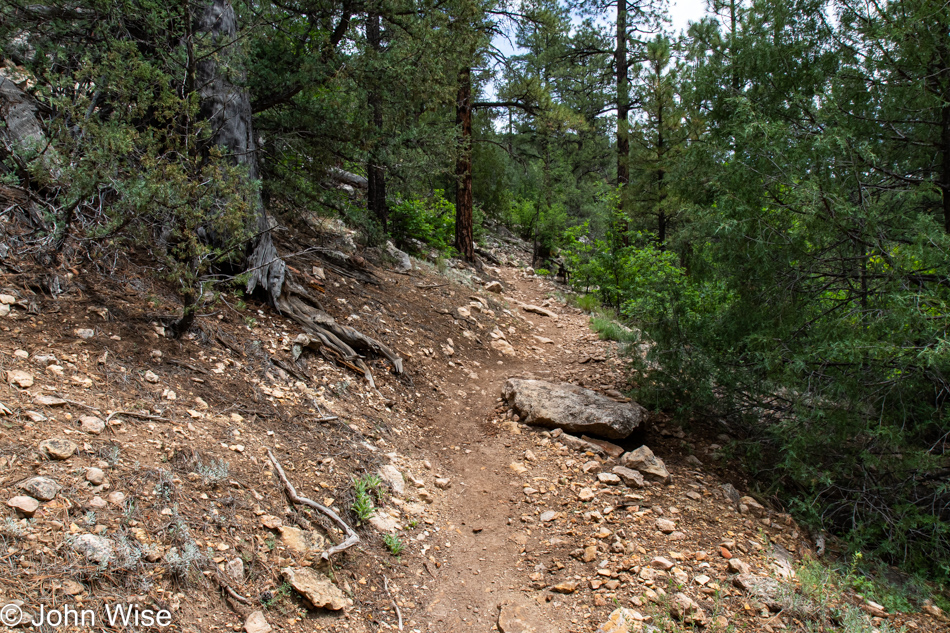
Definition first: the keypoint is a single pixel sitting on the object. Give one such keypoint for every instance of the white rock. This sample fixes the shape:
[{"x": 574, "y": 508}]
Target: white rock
[
  {"x": 257, "y": 623},
  {"x": 21, "y": 379},
  {"x": 92, "y": 425}
]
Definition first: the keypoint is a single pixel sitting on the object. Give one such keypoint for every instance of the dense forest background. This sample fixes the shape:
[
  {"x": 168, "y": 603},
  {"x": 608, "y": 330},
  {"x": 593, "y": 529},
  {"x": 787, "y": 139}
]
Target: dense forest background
[{"x": 766, "y": 196}]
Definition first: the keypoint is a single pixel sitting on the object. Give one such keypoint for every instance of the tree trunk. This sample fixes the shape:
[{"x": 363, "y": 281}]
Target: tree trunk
[
  {"x": 228, "y": 108},
  {"x": 376, "y": 195},
  {"x": 464, "y": 223},
  {"x": 623, "y": 105}
]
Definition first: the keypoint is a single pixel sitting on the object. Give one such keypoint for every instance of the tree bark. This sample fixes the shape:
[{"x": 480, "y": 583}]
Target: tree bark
[
  {"x": 376, "y": 198},
  {"x": 623, "y": 105},
  {"x": 464, "y": 222}
]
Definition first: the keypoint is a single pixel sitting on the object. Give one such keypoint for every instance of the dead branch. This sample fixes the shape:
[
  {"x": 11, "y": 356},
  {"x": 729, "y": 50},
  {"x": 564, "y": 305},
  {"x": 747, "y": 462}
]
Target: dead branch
[
  {"x": 133, "y": 414},
  {"x": 393, "y": 600},
  {"x": 352, "y": 538},
  {"x": 226, "y": 588}
]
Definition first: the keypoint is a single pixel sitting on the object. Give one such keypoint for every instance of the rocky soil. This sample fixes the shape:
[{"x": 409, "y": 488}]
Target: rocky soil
[{"x": 135, "y": 469}]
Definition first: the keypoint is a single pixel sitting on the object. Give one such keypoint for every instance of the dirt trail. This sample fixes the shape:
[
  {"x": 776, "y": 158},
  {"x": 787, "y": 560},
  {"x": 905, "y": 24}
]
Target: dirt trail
[{"x": 482, "y": 570}]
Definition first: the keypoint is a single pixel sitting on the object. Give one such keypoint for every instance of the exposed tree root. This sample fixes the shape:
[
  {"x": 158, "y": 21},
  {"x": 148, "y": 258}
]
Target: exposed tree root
[{"x": 352, "y": 538}]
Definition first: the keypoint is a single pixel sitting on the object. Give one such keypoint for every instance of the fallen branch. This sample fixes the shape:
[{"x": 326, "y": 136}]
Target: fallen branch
[
  {"x": 136, "y": 415},
  {"x": 228, "y": 590},
  {"x": 393, "y": 600},
  {"x": 352, "y": 538}
]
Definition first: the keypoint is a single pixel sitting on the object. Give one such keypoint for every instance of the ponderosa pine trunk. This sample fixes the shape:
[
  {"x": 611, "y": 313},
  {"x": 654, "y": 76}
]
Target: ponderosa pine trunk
[
  {"x": 623, "y": 105},
  {"x": 464, "y": 222},
  {"x": 376, "y": 193}
]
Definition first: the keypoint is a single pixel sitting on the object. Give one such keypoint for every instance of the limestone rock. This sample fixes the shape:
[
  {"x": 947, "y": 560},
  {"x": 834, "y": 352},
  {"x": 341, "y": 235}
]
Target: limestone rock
[
  {"x": 384, "y": 522},
  {"x": 685, "y": 609},
  {"x": 92, "y": 425},
  {"x": 403, "y": 263},
  {"x": 85, "y": 333},
  {"x": 391, "y": 475},
  {"x": 572, "y": 408},
  {"x": 257, "y": 623},
  {"x": 610, "y": 448},
  {"x": 514, "y": 618},
  {"x": 316, "y": 588},
  {"x": 665, "y": 525},
  {"x": 56, "y": 448},
  {"x": 95, "y": 476},
  {"x": 42, "y": 488},
  {"x": 25, "y": 505},
  {"x": 763, "y": 588},
  {"x": 494, "y": 286},
  {"x": 539, "y": 310},
  {"x": 235, "y": 569},
  {"x": 622, "y": 620},
  {"x": 630, "y": 477},
  {"x": 647, "y": 463},
  {"x": 96, "y": 549},
  {"x": 754, "y": 506},
  {"x": 50, "y": 401},
  {"x": 504, "y": 347},
  {"x": 150, "y": 376},
  {"x": 21, "y": 379},
  {"x": 586, "y": 494},
  {"x": 609, "y": 479},
  {"x": 736, "y": 566},
  {"x": 301, "y": 541},
  {"x": 566, "y": 587},
  {"x": 662, "y": 563}
]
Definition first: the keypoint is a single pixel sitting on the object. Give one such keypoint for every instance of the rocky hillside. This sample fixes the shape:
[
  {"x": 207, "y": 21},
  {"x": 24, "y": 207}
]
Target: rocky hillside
[{"x": 141, "y": 470}]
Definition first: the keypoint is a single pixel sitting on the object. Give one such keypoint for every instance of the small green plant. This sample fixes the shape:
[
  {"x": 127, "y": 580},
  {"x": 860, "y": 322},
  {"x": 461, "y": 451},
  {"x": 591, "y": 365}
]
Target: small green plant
[
  {"x": 542, "y": 272},
  {"x": 281, "y": 592},
  {"x": 271, "y": 542},
  {"x": 610, "y": 330},
  {"x": 394, "y": 544},
  {"x": 363, "y": 506},
  {"x": 250, "y": 322},
  {"x": 431, "y": 221},
  {"x": 213, "y": 473},
  {"x": 412, "y": 523}
]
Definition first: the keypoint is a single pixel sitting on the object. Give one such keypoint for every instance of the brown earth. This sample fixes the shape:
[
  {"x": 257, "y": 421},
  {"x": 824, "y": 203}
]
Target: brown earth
[{"x": 176, "y": 412}]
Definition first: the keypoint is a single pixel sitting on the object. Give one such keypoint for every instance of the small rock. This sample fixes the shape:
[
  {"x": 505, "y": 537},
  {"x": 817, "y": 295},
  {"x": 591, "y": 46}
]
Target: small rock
[
  {"x": 95, "y": 476},
  {"x": 97, "y": 503},
  {"x": 383, "y": 522},
  {"x": 548, "y": 516},
  {"x": 585, "y": 494},
  {"x": 92, "y": 425},
  {"x": 590, "y": 554},
  {"x": 692, "y": 460},
  {"x": 463, "y": 313},
  {"x": 27, "y": 506},
  {"x": 50, "y": 401},
  {"x": 566, "y": 587},
  {"x": 647, "y": 463},
  {"x": 316, "y": 588},
  {"x": 150, "y": 376},
  {"x": 72, "y": 588},
  {"x": 96, "y": 549},
  {"x": 116, "y": 498},
  {"x": 530, "y": 456},
  {"x": 42, "y": 488},
  {"x": 257, "y": 623},
  {"x": 21, "y": 379},
  {"x": 630, "y": 477},
  {"x": 609, "y": 479},
  {"x": 85, "y": 333},
  {"x": 665, "y": 525},
  {"x": 7, "y": 300},
  {"x": 443, "y": 483},
  {"x": 301, "y": 541},
  {"x": 725, "y": 553},
  {"x": 931, "y": 609},
  {"x": 235, "y": 569},
  {"x": 519, "y": 469},
  {"x": 494, "y": 286},
  {"x": 35, "y": 416},
  {"x": 685, "y": 609},
  {"x": 271, "y": 522},
  {"x": 754, "y": 506},
  {"x": 391, "y": 475},
  {"x": 622, "y": 620},
  {"x": 736, "y": 566},
  {"x": 56, "y": 448},
  {"x": 610, "y": 448},
  {"x": 592, "y": 467},
  {"x": 661, "y": 563}
]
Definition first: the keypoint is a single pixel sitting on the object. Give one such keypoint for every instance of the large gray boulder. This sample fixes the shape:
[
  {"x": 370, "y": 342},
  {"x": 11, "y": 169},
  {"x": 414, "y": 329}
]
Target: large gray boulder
[{"x": 572, "y": 408}]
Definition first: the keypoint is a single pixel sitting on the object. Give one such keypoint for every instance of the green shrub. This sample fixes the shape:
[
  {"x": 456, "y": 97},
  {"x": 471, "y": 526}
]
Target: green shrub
[
  {"x": 431, "y": 221},
  {"x": 394, "y": 544}
]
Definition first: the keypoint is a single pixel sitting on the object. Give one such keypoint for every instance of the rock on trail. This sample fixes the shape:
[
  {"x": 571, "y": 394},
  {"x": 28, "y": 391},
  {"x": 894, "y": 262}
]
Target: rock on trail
[{"x": 572, "y": 408}]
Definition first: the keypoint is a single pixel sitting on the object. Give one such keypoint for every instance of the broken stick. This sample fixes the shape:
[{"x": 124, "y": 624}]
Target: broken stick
[{"x": 352, "y": 538}]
